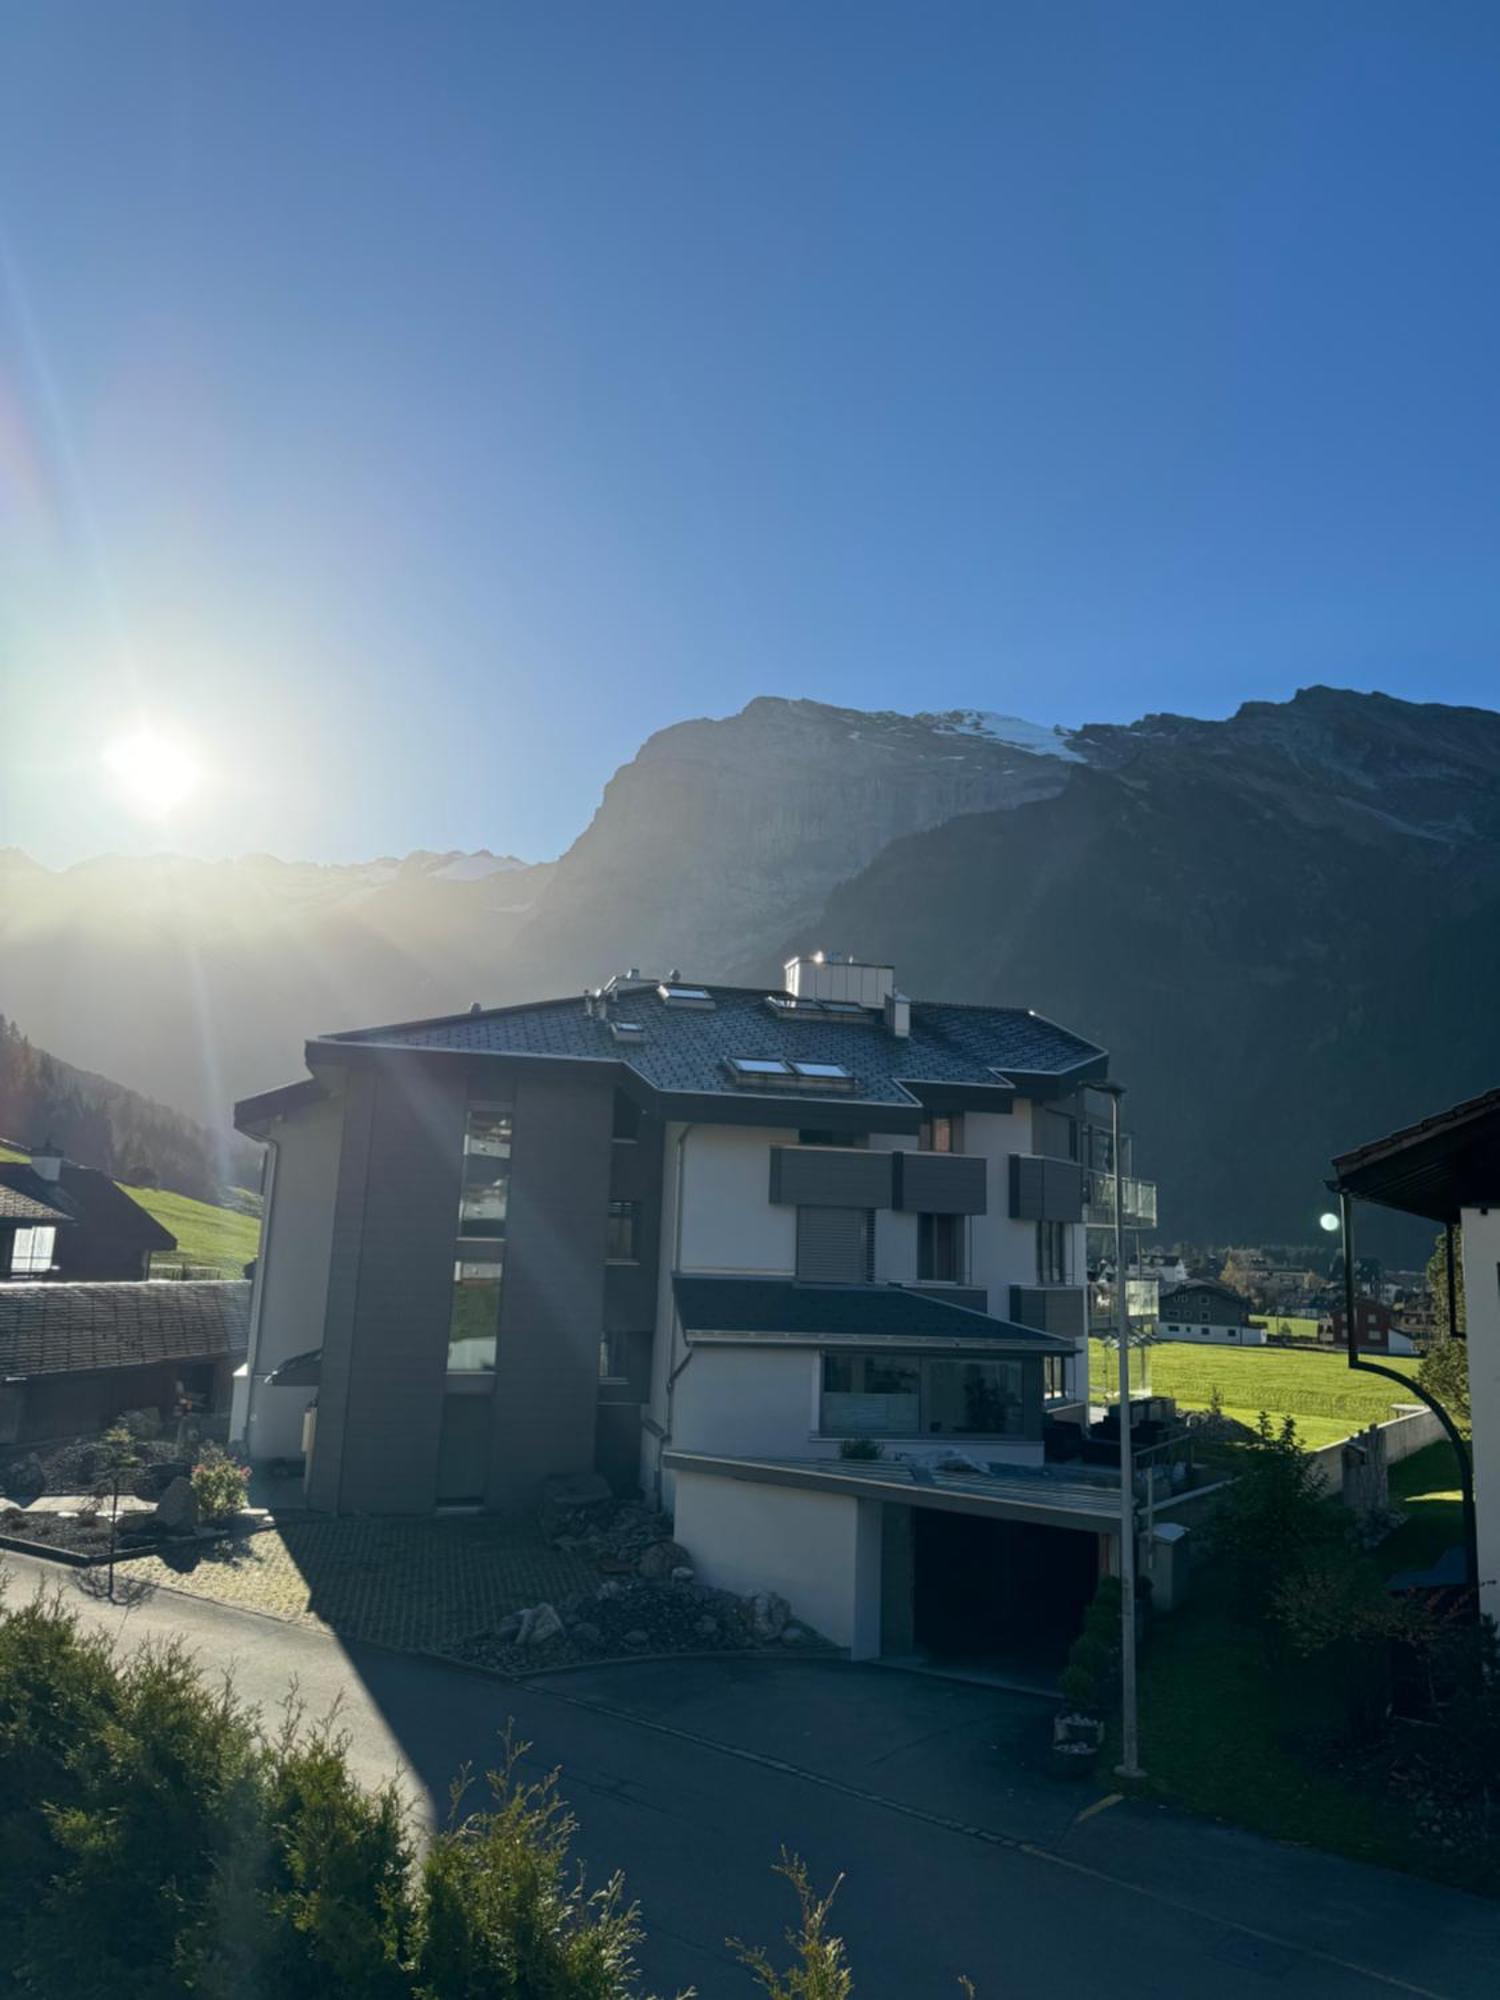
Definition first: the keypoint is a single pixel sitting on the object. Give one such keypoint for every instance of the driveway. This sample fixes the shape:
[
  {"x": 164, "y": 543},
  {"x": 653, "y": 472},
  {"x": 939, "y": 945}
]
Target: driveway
[{"x": 961, "y": 1854}]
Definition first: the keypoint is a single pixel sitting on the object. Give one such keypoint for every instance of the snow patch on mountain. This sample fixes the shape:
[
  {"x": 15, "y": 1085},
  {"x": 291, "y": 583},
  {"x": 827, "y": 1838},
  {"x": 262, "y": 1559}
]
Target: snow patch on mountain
[{"x": 1034, "y": 737}]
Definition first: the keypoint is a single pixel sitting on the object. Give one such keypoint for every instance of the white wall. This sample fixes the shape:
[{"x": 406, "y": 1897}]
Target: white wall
[
  {"x": 1003, "y": 1251},
  {"x": 1216, "y": 1336},
  {"x": 291, "y": 1274},
  {"x": 762, "y": 1402},
  {"x": 1481, "y": 1234},
  {"x": 729, "y": 1222},
  {"x": 820, "y": 1551}
]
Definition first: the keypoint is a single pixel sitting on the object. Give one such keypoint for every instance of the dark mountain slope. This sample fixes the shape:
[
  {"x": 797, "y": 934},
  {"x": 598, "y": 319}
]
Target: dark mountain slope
[{"x": 1286, "y": 927}]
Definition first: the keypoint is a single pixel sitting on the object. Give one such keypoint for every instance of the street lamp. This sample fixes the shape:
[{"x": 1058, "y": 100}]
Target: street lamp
[
  {"x": 1129, "y": 1765},
  {"x": 1329, "y": 1220}
]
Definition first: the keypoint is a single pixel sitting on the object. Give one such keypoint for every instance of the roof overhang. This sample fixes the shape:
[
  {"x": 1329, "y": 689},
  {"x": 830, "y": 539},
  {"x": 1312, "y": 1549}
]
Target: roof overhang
[
  {"x": 1436, "y": 1169},
  {"x": 1032, "y": 1498},
  {"x": 254, "y": 1116}
]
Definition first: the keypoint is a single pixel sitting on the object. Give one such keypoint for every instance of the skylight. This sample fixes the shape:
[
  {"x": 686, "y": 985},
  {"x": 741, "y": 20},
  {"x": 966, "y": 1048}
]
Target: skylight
[
  {"x": 823, "y": 1072},
  {"x": 685, "y": 996},
  {"x": 792, "y": 1075},
  {"x": 759, "y": 1066},
  {"x": 627, "y": 1031},
  {"x": 794, "y": 1006}
]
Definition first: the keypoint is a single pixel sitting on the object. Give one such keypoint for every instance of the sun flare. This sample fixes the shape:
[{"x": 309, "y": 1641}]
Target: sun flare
[{"x": 153, "y": 773}]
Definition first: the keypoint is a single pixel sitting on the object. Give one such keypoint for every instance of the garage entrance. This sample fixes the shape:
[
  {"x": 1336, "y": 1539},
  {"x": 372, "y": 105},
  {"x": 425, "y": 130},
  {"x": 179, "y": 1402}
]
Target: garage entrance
[{"x": 999, "y": 1591}]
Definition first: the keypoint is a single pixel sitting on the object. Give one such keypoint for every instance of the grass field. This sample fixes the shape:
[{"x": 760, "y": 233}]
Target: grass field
[
  {"x": 1299, "y": 1329},
  {"x": 221, "y": 1239},
  {"x": 1425, "y": 1489},
  {"x": 1324, "y": 1396}
]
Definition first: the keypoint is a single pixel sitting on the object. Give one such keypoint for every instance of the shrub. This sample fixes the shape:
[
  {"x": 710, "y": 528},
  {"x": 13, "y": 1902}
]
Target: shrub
[
  {"x": 820, "y": 1968},
  {"x": 143, "y": 1425},
  {"x": 219, "y": 1485},
  {"x": 1274, "y": 1518}
]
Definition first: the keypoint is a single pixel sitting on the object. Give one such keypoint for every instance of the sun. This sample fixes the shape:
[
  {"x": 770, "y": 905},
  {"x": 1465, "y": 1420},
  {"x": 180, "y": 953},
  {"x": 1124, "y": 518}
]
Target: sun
[{"x": 153, "y": 772}]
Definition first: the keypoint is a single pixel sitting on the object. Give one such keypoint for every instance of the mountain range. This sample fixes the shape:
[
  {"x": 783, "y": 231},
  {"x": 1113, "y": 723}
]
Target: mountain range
[{"x": 1285, "y": 925}]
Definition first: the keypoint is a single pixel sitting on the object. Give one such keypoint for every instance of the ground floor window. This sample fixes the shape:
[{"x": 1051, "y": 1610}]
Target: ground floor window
[
  {"x": 868, "y": 1395},
  {"x": 1054, "y": 1376},
  {"x": 474, "y": 1327}
]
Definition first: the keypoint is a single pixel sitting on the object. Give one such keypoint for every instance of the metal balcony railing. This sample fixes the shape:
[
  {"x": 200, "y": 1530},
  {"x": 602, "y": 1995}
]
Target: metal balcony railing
[{"x": 1138, "y": 1199}]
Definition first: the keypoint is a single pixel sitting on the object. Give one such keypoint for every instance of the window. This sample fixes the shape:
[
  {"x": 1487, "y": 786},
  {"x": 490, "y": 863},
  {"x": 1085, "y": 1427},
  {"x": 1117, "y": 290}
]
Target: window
[
  {"x": 865, "y": 1396},
  {"x": 1054, "y": 1253},
  {"x": 685, "y": 996},
  {"x": 614, "y": 1358},
  {"x": 972, "y": 1398},
  {"x": 620, "y": 1232},
  {"x": 758, "y": 1066},
  {"x": 31, "y": 1252},
  {"x": 940, "y": 1249},
  {"x": 943, "y": 1132},
  {"x": 823, "y": 1072},
  {"x": 836, "y": 1246},
  {"x": 868, "y": 1395},
  {"x": 479, "y": 1261},
  {"x": 1054, "y": 1376},
  {"x": 475, "y": 1323}
]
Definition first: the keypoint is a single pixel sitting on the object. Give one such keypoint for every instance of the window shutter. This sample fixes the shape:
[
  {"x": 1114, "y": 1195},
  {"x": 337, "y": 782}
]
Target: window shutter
[{"x": 834, "y": 1245}]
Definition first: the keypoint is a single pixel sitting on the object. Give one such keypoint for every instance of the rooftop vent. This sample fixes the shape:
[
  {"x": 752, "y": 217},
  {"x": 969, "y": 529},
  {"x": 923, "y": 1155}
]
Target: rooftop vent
[{"x": 832, "y": 975}]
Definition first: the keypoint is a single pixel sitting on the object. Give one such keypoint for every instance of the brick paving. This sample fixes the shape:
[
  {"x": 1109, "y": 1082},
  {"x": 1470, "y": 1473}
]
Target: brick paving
[{"x": 425, "y": 1585}]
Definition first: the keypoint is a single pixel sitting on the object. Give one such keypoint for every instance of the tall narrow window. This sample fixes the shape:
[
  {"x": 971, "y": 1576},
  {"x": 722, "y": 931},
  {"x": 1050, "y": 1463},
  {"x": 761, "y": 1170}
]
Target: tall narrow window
[
  {"x": 940, "y": 1249},
  {"x": 622, "y": 1232},
  {"x": 479, "y": 1261},
  {"x": 943, "y": 1132},
  {"x": 1053, "y": 1258}
]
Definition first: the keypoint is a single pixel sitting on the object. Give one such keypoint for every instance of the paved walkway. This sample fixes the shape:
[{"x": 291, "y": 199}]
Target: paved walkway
[
  {"x": 427, "y": 1584},
  {"x": 960, "y": 1853}
]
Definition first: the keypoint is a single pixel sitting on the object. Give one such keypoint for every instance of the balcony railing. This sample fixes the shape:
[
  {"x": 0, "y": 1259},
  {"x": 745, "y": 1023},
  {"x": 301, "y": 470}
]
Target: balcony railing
[
  {"x": 1142, "y": 1296},
  {"x": 1138, "y": 1199}
]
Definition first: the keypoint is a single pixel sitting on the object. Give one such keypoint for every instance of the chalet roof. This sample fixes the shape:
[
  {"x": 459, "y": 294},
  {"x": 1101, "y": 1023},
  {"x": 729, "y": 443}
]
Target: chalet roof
[
  {"x": 55, "y": 1329},
  {"x": 29, "y": 1201},
  {"x": 1213, "y": 1285},
  {"x": 786, "y": 1308},
  {"x": 1435, "y": 1168}
]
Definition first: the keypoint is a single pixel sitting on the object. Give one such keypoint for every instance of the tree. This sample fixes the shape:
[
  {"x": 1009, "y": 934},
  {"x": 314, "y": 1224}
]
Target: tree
[{"x": 1445, "y": 1374}]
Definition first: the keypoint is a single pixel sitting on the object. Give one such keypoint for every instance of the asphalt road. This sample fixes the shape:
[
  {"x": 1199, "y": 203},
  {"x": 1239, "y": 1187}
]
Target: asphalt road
[{"x": 960, "y": 1853}]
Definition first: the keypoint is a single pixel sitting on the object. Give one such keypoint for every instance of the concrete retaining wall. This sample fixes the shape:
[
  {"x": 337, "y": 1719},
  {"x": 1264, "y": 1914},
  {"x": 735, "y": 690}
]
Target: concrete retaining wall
[{"x": 1398, "y": 1439}]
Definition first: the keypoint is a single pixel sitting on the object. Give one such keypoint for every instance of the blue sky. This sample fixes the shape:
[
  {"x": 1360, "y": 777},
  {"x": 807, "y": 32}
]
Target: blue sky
[{"x": 411, "y": 407}]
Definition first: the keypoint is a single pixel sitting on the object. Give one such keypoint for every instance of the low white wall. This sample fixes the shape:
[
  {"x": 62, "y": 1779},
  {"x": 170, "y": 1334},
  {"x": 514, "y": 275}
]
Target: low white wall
[
  {"x": 1214, "y": 1336},
  {"x": 820, "y": 1551},
  {"x": 1403, "y": 1435}
]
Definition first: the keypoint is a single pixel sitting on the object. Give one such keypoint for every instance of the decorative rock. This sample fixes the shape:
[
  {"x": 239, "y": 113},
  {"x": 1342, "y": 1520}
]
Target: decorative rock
[
  {"x": 682, "y": 1574},
  {"x": 177, "y": 1509},
  {"x": 609, "y": 1590},
  {"x": 661, "y": 1559},
  {"x": 793, "y": 1636},
  {"x": 769, "y": 1614},
  {"x": 585, "y": 1634},
  {"x": 637, "y": 1638},
  {"x": 507, "y": 1629},
  {"x": 706, "y": 1627},
  {"x": 538, "y": 1625}
]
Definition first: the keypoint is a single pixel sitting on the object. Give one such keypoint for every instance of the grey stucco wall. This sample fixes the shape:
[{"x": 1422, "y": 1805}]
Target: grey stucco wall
[
  {"x": 390, "y": 1293},
  {"x": 552, "y": 1307}
]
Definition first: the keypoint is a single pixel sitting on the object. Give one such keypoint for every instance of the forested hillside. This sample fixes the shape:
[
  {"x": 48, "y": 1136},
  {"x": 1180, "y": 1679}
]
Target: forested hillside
[{"x": 102, "y": 1124}]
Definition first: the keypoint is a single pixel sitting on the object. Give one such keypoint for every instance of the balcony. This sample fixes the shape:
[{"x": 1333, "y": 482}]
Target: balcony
[
  {"x": 1141, "y": 1298},
  {"x": 1043, "y": 1189},
  {"x": 867, "y": 1177},
  {"x": 1138, "y": 1200},
  {"x": 1056, "y": 1309}
]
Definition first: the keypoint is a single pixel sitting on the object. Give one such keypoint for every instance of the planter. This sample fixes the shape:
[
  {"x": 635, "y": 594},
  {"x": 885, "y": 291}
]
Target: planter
[{"x": 1076, "y": 1742}]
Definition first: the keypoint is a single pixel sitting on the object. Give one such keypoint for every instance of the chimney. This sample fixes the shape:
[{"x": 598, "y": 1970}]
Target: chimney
[
  {"x": 898, "y": 1014},
  {"x": 834, "y": 975},
  {"x": 47, "y": 1162}
]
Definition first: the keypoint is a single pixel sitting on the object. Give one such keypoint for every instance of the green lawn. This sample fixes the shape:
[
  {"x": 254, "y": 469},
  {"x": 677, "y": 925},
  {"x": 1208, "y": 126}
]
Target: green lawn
[
  {"x": 1325, "y": 1396},
  {"x": 221, "y": 1239},
  {"x": 1300, "y": 1329},
  {"x": 1425, "y": 1488}
]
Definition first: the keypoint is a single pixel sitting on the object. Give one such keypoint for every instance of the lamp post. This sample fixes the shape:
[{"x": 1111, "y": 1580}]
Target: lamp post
[{"x": 1129, "y": 1765}]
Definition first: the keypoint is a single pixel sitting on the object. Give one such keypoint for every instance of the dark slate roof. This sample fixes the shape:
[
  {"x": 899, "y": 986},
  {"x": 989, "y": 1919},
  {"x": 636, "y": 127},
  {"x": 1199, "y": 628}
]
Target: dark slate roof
[
  {"x": 55, "y": 1329},
  {"x": 27, "y": 1200},
  {"x": 884, "y": 1312},
  {"x": 101, "y": 1204},
  {"x": 1212, "y": 1285},
  {"x": 685, "y": 1050}
]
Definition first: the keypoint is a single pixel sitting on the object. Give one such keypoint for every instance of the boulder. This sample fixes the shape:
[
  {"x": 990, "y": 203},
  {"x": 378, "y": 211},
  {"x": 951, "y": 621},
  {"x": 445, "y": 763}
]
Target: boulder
[
  {"x": 538, "y": 1625},
  {"x": 24, "y": 1477},
  {"x": 706, "y": 1627},
  {"x": 660, "y": 1559},
  {"x": 637, "y": 1639},
  {"x": 571, "y": 1501},
  {"x": 177, "y": 1509},
  {"x": 793, "y": 1636},
  {"x": 152, "y": 1481},
  {"x": 586, "y": 1634},
  {"x": 682, "y": 1574},
  {"x": 769, "y": 1615}
]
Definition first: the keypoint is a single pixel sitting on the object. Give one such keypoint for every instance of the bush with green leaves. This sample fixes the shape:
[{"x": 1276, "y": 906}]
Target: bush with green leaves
[
  {"x": 1274, "y": 1519},
  {"x": 159, "y": 1844},
  {"x": 218, "y": 1485}
]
